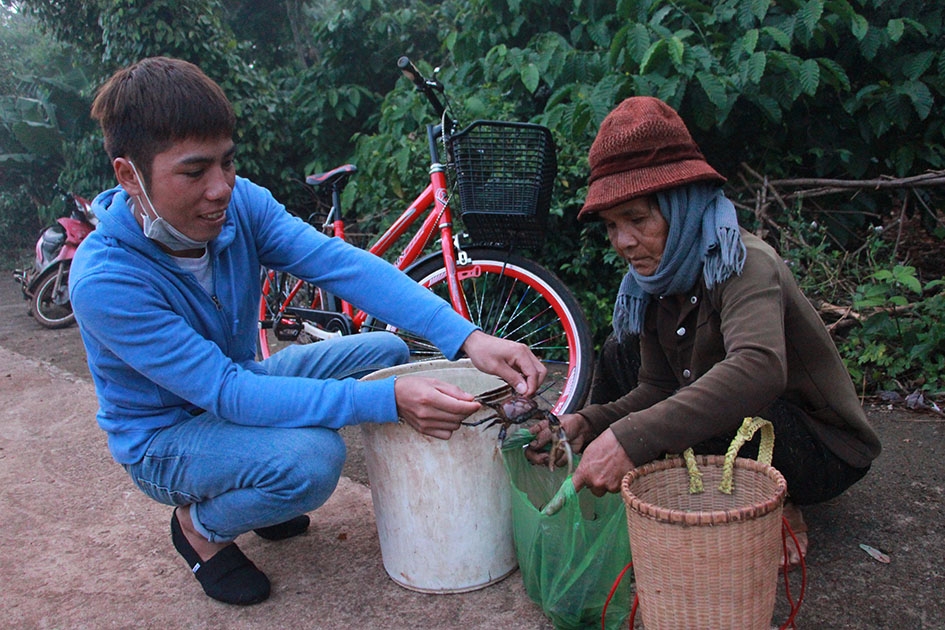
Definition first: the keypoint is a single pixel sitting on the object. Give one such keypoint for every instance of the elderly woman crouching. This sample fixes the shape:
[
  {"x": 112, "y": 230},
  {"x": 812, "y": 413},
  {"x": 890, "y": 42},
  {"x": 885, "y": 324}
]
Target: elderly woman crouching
[{"x": 709, "y": 327}]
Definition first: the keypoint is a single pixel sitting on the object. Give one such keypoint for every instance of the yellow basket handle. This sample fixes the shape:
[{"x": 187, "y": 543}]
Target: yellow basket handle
[{"x": 744, "y": 434}]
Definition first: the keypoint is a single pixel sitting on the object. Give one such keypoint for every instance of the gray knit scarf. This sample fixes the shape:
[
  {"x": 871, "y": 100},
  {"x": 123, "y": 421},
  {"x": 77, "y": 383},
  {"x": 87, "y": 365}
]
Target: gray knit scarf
[{"x": 703, "y": 236}]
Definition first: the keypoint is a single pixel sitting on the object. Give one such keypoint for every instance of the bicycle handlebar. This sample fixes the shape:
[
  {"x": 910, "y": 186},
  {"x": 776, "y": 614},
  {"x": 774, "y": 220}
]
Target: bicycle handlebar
[
  {"x": 428, "y": 87},
  {"x": 410, "y": 71}
]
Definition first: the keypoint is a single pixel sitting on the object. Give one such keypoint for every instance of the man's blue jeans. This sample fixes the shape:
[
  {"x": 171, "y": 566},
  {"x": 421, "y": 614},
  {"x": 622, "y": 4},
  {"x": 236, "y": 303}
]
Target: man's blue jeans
[{"x": 239, "y": 478}]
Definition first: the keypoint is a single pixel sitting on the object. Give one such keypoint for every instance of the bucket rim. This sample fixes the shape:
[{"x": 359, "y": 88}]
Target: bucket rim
[
  {"x": 432, "y": 368},
  {"x": 417, "y": 366},
  {"x": 637, "y": 505}
]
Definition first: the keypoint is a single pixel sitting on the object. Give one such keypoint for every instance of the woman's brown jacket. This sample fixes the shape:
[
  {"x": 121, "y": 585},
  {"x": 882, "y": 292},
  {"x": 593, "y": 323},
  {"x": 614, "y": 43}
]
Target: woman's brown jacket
[{"x": 711, "y": 357}]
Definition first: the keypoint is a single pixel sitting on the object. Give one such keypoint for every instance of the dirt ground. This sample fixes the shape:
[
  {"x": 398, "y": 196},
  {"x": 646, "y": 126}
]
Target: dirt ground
[{"x": 84, "y": 549}]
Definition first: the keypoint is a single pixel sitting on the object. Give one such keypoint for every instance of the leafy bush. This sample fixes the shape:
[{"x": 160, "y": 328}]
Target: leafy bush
[
  {"x": 843, "y": 89},
  {"x": 900, "y": 344},
  {"x": 887, "y": 322}
]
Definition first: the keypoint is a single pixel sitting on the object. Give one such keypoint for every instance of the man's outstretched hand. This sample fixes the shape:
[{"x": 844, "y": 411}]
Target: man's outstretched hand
[
  {"x": 511, "y": 361},
  {"x": 432, "y": 407}
]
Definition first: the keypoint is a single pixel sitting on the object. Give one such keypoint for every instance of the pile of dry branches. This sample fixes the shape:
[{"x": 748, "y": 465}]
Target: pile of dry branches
[{"x": 768, "y": 198}]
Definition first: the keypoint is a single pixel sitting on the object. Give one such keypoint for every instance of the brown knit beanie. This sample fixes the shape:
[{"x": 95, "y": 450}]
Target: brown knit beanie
[{"x": 642, "y": 147}]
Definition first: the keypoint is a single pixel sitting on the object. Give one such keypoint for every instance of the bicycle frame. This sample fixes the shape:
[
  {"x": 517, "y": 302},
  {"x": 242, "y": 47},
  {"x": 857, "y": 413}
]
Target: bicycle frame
[
  {"x": 505, "y": 294},
  {"x": 440, "y": 218},
  {"x": 433, "y": 203}
]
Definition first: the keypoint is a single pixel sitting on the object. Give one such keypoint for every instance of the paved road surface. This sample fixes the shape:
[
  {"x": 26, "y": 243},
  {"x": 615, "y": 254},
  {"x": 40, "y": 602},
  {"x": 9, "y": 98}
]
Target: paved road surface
[{"x": 84, "y": 549}]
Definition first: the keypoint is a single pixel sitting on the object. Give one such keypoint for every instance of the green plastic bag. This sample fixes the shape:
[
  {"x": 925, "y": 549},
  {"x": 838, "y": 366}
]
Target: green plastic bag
[{"x": 570, "y": 559}]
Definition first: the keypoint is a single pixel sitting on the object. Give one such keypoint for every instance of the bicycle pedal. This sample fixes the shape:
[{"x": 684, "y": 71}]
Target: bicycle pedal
[{"x": 287, "y": 328}]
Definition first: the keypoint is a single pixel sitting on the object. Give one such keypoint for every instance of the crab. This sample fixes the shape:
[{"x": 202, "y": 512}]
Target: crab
[{"x": 511, "y": 408}]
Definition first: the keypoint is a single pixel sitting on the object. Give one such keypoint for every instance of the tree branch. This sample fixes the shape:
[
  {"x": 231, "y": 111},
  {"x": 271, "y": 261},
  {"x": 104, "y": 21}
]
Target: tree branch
[
  {"x": 813, "y": 187},
  {"x": 931, "y": 178}
]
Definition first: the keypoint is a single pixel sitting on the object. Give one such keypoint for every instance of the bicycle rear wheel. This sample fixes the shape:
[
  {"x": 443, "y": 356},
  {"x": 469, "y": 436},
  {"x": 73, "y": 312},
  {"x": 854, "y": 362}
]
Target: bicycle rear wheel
[
  {"x": 281, "y": 294},
  {"x": 515, "y": 298}
]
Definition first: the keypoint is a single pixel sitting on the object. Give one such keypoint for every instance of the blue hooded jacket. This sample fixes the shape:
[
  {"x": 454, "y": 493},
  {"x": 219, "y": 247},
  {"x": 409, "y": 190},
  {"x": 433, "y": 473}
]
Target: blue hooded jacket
[{"x": 160, "y": 346}]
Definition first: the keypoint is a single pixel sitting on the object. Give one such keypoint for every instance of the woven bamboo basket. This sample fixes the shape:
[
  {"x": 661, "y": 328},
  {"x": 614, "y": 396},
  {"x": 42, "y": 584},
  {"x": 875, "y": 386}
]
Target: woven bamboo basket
[{"x": 707, "y": 559}]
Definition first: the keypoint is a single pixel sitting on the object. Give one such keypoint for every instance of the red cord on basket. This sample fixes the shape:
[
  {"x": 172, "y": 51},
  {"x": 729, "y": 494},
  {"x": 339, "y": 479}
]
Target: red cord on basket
[
  {"x": 795, "y": 606},
  {"x": 610, "y": 596}
]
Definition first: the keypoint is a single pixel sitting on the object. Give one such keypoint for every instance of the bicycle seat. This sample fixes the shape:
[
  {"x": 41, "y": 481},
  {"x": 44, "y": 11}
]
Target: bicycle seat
[{"x": 336, "y": 176}]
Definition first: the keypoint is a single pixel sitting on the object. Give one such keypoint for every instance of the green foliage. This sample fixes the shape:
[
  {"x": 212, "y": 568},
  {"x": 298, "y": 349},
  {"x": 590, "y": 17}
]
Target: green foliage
[
  {"x": 901, "y": 343},
  {"x": 39, "y": 116},
  {"x": 811, "y": 88},
  {"x": 823, "y": 271},
  {"x": 195, "y": 31},
  {"x": 356, "y": 48}
]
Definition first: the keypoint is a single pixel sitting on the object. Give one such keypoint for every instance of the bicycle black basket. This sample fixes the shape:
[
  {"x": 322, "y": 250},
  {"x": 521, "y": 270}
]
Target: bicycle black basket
[{"x": 504, "y": 176}]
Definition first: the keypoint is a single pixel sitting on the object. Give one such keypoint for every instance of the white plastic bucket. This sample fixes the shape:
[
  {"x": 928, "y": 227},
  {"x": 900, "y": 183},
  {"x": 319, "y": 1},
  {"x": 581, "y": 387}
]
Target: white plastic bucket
[{"x": 443, "y": 507}]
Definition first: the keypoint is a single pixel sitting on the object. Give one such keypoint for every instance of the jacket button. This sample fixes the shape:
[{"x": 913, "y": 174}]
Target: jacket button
[
  {"x": 686, "y": 373},
  {"x": 693, "y": 300},
  {"x": 680, "y": 332}
]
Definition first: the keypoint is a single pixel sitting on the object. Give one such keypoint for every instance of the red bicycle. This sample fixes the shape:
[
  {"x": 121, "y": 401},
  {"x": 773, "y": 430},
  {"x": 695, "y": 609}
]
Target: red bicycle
[{"x": 503, "y": 174}]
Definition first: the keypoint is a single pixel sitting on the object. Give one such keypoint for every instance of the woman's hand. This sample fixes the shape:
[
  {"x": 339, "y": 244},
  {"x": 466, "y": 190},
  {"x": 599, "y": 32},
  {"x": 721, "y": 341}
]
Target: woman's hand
[
  {"x": 432, "y": 407},
  {"x": 513, "y": 362},
  {"x": 603, "y": 465},
  {"x": 576, "y": 428}
]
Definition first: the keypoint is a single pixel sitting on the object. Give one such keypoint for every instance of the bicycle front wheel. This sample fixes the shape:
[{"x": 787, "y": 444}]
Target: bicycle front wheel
[{"x": 515, "y": 298}]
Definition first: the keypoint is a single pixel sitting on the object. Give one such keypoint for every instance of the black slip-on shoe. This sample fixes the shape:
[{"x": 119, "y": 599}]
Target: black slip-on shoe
[
  {"x": 229, "y": 576},
  {"x": 288, "y": 529}
]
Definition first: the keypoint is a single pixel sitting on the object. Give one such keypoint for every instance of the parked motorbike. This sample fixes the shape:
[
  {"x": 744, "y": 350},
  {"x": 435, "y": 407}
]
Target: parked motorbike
[{"x": 46, "y": 283}]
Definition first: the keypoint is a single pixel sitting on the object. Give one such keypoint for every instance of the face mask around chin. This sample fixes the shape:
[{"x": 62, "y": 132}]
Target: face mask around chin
[
  {"x": 158, "y": 229},
  {"x": 163, "y": 232}
]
